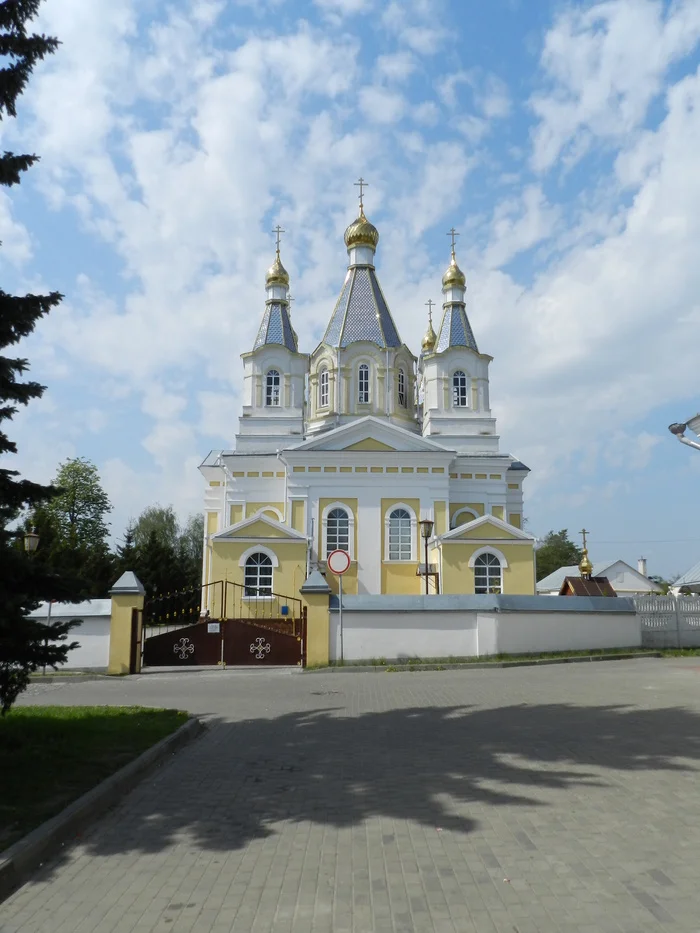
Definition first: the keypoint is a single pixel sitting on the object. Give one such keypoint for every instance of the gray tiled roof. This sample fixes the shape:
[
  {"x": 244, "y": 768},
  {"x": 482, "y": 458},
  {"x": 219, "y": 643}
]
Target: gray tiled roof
[
  {"x": 361, "y": 313},
  {"x": 276, "y": 327},
  {"x": 455, "y": 330}
]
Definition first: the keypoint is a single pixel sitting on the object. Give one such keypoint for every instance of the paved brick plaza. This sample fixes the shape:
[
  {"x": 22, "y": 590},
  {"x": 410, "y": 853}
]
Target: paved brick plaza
[{"x": 562, "y": 798}]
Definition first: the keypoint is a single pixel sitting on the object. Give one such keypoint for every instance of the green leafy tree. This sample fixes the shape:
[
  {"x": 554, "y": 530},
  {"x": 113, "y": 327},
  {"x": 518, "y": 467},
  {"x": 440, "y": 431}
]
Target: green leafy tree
[
  {"x": 190, "y": 548},
  {"x": 557, "y": 550},
  {"x": 126, "y": 553},
  {"x": 74, "y": 530},
  {"x": 23, "y": 582},
  {"x": 160, "y": 521}
]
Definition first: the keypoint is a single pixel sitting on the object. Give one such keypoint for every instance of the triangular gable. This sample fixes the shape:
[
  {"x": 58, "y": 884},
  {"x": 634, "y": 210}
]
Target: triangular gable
[
  {"x": 487, "y": 526},
  {"x": 259, "y": 526},
  {"x": 369, "y": 443},
  {"x": 374, "y": 430}
]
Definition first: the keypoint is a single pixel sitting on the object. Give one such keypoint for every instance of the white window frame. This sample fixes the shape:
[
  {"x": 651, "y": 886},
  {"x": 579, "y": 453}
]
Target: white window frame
[
  {"x": 492, "y": 552},
  {"x": 257, "y": 596},
  {"x": 401, "y": 388},
  {"x": 273, "y": 399},
  {"x": 324, "y": 388},
  {"x": 414, "y": 533},
  {"x": 457, "y": 390},
  {"x": 364, "y": 395},
  {"x": 351, "y": 528},
  {"x": 470, "y": 512}
]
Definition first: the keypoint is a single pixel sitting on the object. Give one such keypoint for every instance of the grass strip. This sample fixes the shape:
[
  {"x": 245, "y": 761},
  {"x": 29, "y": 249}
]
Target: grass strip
[{"x": 52, "y": 754}]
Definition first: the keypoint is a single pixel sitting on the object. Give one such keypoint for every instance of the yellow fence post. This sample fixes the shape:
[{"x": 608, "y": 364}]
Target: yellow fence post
[
  {"x": 315, "y": 593},
  {"x": 127, "y": 596}
]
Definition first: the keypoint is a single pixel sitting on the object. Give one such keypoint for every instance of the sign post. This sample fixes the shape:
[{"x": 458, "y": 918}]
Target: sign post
[{"x": 338, "y": 562}]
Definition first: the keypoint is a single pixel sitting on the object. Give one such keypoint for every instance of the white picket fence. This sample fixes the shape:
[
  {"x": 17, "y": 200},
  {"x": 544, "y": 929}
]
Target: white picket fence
[{"x": 669, "y": 621}]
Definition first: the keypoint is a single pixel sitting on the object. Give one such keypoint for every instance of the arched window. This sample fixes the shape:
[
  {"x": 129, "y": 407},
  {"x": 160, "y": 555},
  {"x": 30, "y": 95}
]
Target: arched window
[
  {"x": 488, "y": 574},
  {"x": 337, "y": 531},
  {"x": 400, "y": 535},
  {"x": 323, "y": 389},
  {"x": 459, "y": 389},
  {"x": 402, "y": 388},
  {"x": 258, "y": 575},
  {"x": 462, "y": 517},
  {"x": 272, "y": 388},
  {"x": 363, "y": 384}
]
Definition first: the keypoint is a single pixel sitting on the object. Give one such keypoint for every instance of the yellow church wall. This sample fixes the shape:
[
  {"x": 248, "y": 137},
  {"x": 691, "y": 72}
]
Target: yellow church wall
[
  {"x": 236, "y": 514},
  {"x": 458, "y": 576},
  {"x": 399, "y": 577},
  {"x": 253, "y": 507},
  {"x": 287, "y": 577},
  {"x": 298, "y": 510},
  {"x": 487, "y": 531},
  {"x": 349, "y": 581},
  {"x": 497, "y": 512},
  {"x": 212, "y": 523},
  {"x": 515, "y": 519},
  {"x": 440, "y": 518}
]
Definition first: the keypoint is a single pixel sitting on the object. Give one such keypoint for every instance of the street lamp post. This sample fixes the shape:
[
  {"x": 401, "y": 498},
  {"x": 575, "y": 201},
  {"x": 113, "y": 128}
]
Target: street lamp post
[
  {"x": 31, "y": 543},
  {"x": 426, "y": 529}
]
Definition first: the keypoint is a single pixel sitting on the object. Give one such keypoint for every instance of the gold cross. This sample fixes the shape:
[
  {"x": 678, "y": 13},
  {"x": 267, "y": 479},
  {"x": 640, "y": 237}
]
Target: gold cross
[
  {"x": 584, "y": 532},
  {"x": 361, "y": 184},
  {"x": 278, "y": 231},
  {"x": 453, "y": 233},
  {"x": 429, "y": 303}
]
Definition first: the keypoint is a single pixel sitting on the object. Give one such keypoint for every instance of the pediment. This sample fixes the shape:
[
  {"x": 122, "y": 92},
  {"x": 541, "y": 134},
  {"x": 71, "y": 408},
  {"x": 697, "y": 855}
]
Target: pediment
[
  {"x": 369, "y": 434},
  {"x": 487, "y": 527},
  {"x": 259, "y": 526}
]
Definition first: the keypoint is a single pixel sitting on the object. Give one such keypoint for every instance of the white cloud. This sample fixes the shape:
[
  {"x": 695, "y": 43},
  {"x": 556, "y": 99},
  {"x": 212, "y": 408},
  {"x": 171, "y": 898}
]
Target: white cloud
[
  {"x": 16, "y": 246},
  {"x": 380, "y": 105},
  {"x": 519, "y": 225},
  {"x": 605, "y": 64},
  {"x": 396, "y": 67}
]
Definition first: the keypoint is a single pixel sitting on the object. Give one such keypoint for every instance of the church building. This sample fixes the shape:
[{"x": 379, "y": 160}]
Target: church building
[{"x": 353, "y": 445}]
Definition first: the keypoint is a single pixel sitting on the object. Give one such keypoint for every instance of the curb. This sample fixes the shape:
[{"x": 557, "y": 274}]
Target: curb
[
  {"x": 25, "y": 856},
  {"x": 401, "y": 666}
]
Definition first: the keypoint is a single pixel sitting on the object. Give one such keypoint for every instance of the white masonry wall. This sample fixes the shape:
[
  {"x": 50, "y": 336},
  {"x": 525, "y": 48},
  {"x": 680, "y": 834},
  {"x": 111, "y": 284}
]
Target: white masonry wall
[
  {"x": 399, "y": 627},
  {"x": 92, "y": 634}
]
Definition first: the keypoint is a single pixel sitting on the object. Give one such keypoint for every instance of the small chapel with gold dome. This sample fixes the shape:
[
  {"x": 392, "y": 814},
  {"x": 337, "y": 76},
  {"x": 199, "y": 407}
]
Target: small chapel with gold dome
[{"x": 355, "y": 444}]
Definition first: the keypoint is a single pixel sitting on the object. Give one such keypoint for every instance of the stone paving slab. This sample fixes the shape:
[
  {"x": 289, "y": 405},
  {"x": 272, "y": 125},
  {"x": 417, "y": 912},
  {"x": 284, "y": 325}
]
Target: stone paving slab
[{"x": 547, "y": 799}]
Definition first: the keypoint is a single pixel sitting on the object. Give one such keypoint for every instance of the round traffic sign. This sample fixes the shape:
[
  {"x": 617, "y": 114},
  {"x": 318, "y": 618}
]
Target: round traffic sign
[{"x": 338, "y": 562}]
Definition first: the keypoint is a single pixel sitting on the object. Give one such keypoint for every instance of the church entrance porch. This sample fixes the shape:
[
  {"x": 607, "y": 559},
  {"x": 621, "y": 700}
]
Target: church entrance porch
[{"x": 237, "y": 627}]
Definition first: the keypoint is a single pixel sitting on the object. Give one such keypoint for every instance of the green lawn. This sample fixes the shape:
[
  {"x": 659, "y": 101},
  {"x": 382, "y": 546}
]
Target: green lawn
[{"x": 52, "y": 754}]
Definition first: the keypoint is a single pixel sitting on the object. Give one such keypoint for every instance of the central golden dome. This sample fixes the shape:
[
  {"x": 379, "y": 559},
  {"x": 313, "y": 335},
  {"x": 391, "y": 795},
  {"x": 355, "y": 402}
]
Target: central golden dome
[
  {"x": 361, "y": 233},
  {"x": 454, "y": 277},
  {"x": 277, "y": 274}
]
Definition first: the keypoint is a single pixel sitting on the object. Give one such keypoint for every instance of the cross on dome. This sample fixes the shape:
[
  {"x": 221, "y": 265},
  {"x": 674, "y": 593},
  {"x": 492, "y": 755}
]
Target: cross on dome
[
  {"x": 278, "y": 231},
  {"x": 453, "y": 234},
  {"x": 429, "y": 304},
  {"x": 361, "y": 184}
]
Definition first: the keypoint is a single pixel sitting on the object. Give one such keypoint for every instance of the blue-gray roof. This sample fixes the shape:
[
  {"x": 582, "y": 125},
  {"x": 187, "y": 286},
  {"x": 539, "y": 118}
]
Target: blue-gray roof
[
  {"x": 455, "y": 330},
  {"x": 361, "y": 313},
  {"x": 689, "y": 577},
  {"x": 276, "y": 327}
]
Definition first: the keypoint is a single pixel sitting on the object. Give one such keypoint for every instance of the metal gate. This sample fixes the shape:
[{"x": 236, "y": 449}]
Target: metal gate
[{"x": 236, "y": 627}]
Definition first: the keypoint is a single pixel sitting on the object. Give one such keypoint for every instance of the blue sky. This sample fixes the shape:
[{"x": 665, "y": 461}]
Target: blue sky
[{"x": 560, "y": 139}]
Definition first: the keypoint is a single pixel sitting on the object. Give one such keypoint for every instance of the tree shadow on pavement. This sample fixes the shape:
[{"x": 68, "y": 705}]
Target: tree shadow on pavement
[{"x": 440, "y": 767}]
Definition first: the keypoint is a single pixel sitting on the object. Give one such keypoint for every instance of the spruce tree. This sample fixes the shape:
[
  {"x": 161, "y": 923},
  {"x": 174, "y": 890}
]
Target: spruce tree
[{"x": 23, "y": 583}]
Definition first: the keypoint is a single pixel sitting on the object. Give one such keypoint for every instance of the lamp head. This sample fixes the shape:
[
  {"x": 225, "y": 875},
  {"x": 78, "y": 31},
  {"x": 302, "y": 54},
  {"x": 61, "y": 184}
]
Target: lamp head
[
  {"x": 31, "y": 541},
  {"x": 426, "y": 528},
  {"x": 677, "y": 428}
]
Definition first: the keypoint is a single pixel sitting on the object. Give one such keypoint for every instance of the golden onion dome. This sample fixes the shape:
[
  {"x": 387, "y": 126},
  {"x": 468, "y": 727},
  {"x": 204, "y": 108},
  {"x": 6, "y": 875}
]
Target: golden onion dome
[
  {"x": 429, "y": 339},
  {"x": 585, "y": 566},
  {"x": 454, "y": 277},
  {"x": 276, "y": 274},
  {"x": 361, "y": 233}
]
